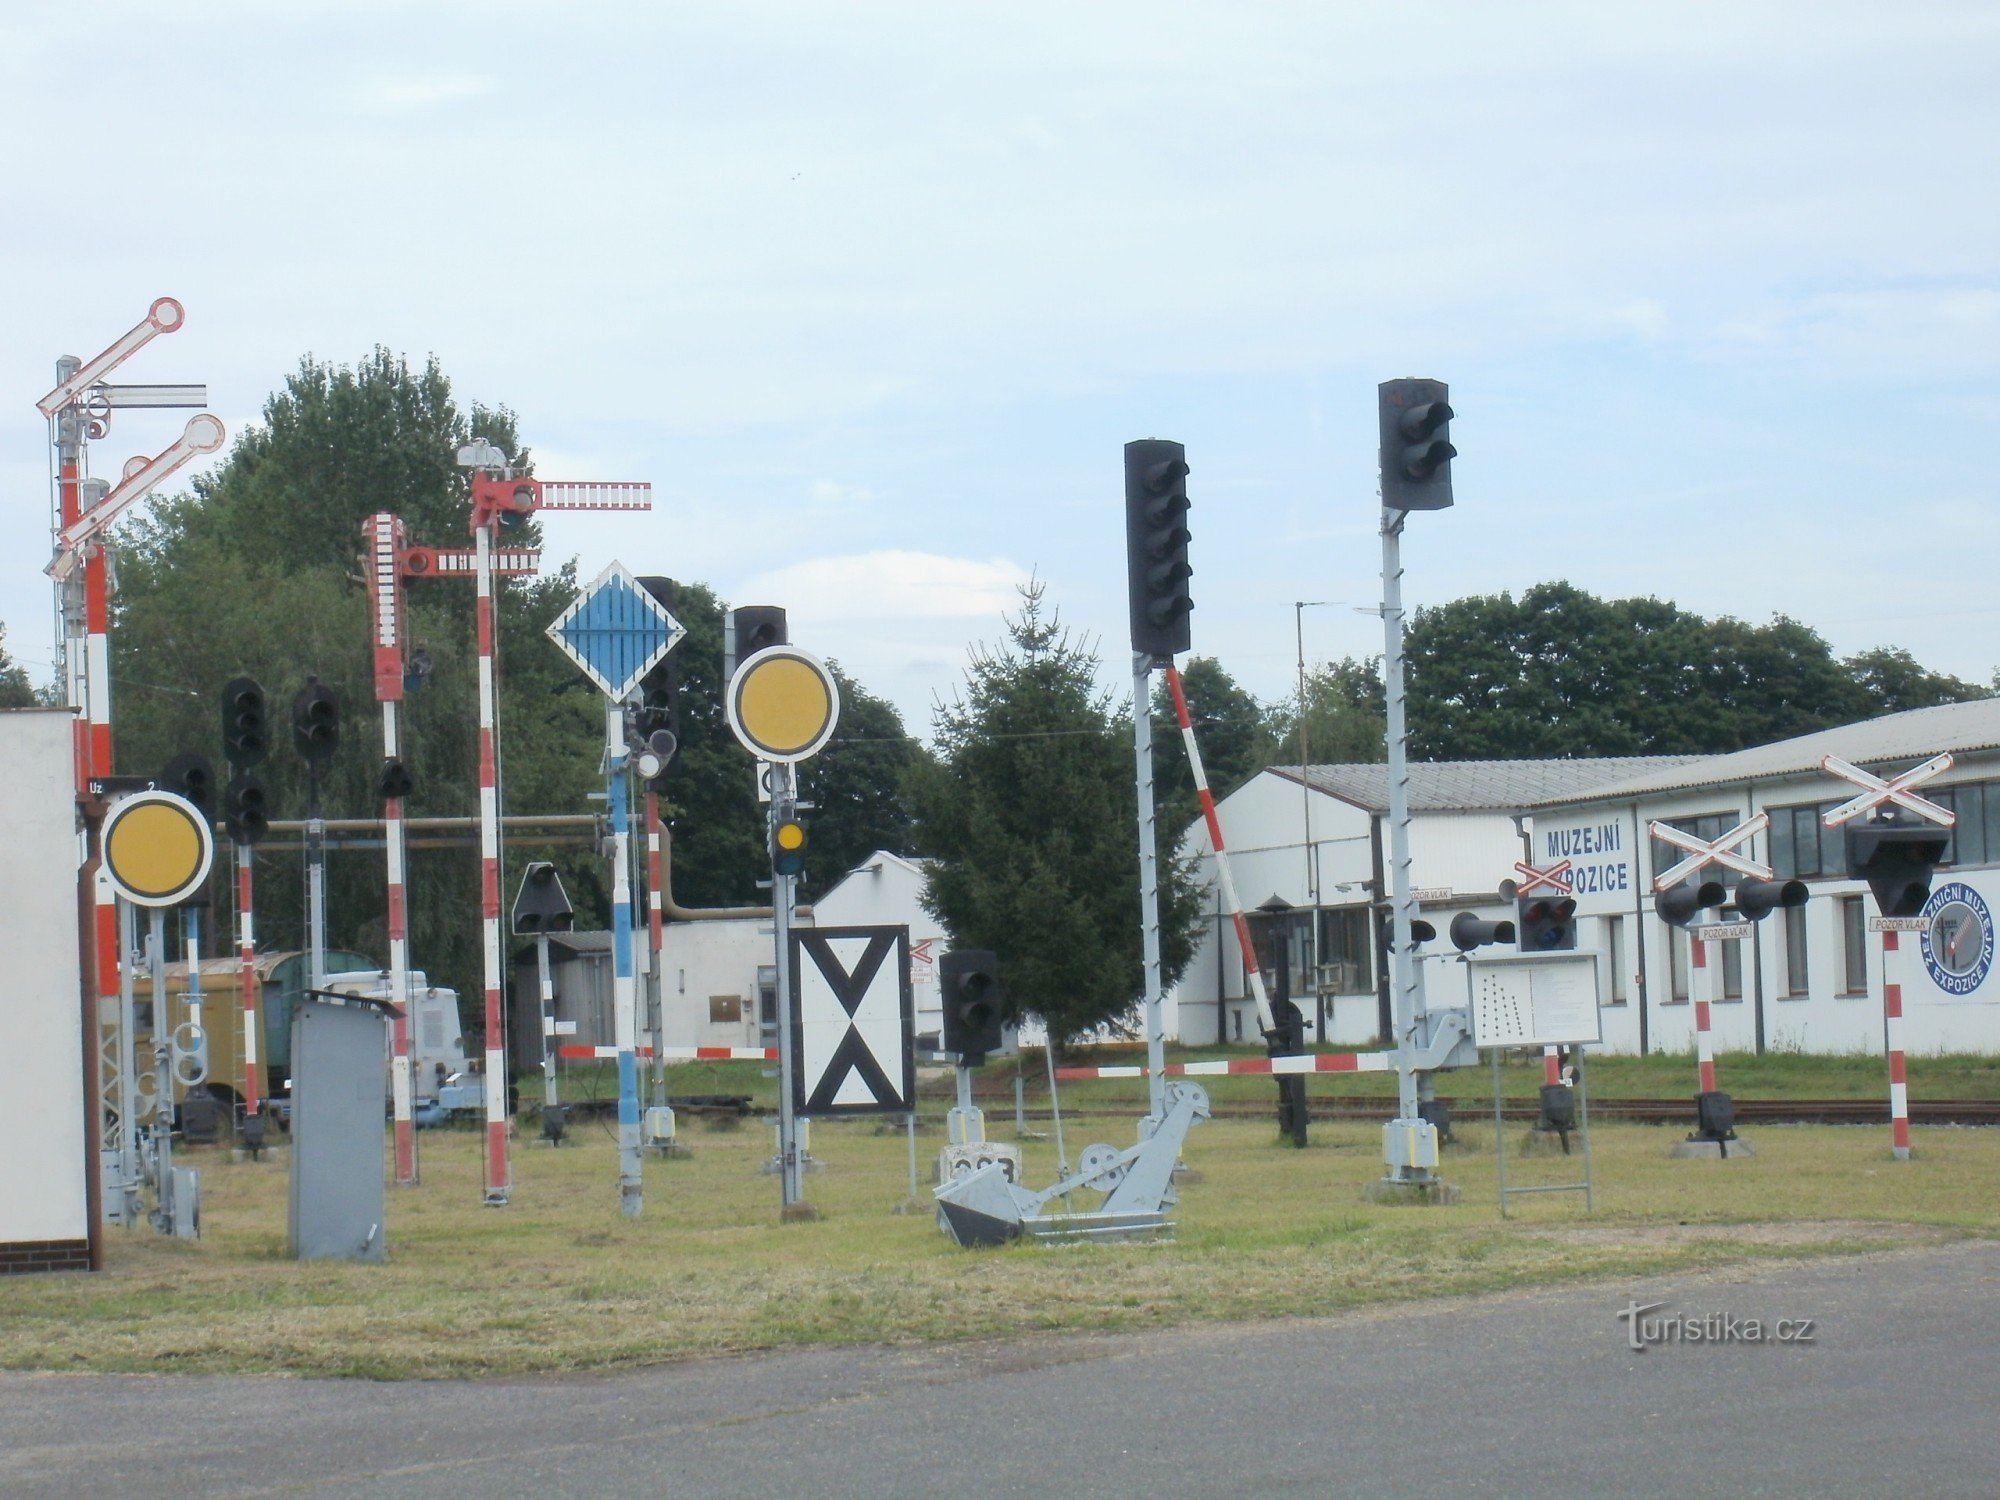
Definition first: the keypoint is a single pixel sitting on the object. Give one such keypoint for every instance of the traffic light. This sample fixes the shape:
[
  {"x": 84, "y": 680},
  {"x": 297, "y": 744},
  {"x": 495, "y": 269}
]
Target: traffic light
[
  {"x": 1757, "y": 899},
  {"x": 1469, "y": 931},
  {"x": 1681, "y": 904},
  {"x": 1156, "y": 546},
  {"x": 393, "y": 782},
  {"x": 1416, "y": 445},
  {"x": 788, "y": 842},
  {"x": 1895, "y": 853},
  {"x": 246, "y": 731},
  {"x": 245, "y": 807},
  {"x": 749, "y": 630},
  {"x": 315, "y": 721},
  {"x": 1545, "y": 924},
  {"x": 192, "y": 777},
  {"x": 974, "y": 1018}
]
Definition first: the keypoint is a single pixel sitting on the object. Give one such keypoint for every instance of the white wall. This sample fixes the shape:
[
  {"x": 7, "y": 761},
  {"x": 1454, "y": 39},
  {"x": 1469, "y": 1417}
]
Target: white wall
[{"x": 43, "y": 1119}]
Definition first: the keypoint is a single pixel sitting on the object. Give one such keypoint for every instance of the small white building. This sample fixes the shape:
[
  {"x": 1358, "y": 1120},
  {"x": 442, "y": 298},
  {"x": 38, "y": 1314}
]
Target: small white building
[
  {"x": 1810, "y": 978},
  {"x": 1309, "y": 854},
  {"x": 719, "y": 977}
]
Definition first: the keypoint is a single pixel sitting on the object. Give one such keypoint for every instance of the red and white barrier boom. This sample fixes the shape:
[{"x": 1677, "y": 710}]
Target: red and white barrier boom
[
  {"x": 1253, "y": 976},
  {"x": 1878, "y": 792}
]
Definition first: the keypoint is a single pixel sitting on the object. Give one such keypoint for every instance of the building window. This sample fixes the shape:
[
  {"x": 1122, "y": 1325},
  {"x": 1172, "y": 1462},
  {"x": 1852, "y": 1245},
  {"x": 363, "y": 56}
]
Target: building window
[
  {"x": 1853, "y": 947},
  {"x": 1614, "y": 949},
  {"x": 1729, "y": 958},
  {"x": 1343, "y": 951},
  {"x": 1796, "y": 985},
  {"x": 1677, "y": 965},
  {"x": 1802, "y": 846},
  {"x": 1284, "y": 942}
]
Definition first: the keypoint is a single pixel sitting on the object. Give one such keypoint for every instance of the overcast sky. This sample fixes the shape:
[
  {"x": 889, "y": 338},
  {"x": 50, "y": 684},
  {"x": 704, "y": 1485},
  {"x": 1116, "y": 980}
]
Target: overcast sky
[{"x": 874, "y": 293}]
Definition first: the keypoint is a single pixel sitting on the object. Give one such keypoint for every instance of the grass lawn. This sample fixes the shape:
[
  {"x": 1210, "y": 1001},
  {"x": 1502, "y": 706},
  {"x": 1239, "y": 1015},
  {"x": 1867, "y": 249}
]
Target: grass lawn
[{"x": 558, "y": 1280}]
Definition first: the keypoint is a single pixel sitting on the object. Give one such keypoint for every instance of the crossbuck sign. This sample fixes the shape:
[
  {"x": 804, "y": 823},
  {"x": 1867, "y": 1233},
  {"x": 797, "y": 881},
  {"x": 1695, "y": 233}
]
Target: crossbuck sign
[
  {"x": 1720, "y": 851},
  {"x": 1876, "y": 791}
]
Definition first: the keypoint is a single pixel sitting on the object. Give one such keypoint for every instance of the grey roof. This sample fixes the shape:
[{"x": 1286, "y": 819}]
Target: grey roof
[
  {"x": 1480, "y": 785},
  {"x": 1916, "y": 734}
]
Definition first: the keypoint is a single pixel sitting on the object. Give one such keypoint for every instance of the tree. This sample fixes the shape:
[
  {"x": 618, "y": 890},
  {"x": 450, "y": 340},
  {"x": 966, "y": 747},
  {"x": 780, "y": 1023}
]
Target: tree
[
  {"x": 1559, "y": 672},
  {"x": 16, "y": 690},
  {"x": 1029, "y": 820},
  {"x": 1345, "y": 717},
  {"x": 1230, "y": 731}
]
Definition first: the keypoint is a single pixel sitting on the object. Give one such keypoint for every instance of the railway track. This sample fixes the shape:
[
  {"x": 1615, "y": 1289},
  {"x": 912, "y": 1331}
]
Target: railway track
[{"x": 1656, "y": 1111}]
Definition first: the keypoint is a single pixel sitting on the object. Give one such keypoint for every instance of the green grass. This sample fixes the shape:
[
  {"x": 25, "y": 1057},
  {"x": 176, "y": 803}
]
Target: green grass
[{"x": 558, "y": 1280}]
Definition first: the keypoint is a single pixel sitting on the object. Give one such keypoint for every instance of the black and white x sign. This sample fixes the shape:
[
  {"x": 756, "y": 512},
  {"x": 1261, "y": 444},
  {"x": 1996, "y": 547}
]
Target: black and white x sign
[{"x": 852, "y": 1015}]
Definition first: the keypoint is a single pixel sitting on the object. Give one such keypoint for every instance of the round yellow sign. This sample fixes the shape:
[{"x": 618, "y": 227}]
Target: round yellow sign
[
  {"x": 157, "y": 848},
  {"x": 783, "y": 704}
]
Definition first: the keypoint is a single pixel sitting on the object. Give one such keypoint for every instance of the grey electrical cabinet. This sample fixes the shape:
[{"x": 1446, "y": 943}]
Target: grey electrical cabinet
[{"x": 338, "y": 1130}]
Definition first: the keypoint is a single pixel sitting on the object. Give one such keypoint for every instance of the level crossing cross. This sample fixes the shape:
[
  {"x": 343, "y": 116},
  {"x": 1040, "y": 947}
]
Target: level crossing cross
[{"x": 1701, "y": 852}]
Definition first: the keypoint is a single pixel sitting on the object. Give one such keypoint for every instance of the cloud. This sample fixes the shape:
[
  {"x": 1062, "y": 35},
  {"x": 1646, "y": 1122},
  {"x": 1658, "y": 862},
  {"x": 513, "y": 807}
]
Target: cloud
[
  {"x": 891, "y": 585},
  {"x": 404, "y": 94}
]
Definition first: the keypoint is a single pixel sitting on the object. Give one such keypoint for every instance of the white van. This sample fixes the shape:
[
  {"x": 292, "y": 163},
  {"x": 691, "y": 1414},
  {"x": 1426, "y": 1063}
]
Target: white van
[{"x": 437, "y": 1047}]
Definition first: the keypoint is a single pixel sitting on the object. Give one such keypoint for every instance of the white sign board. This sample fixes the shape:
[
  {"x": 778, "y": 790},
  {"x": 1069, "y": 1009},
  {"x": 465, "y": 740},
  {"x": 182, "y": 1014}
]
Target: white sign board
[
  {"x": 43, "y": 1183},
  {"x": 1534, "y": 999}
]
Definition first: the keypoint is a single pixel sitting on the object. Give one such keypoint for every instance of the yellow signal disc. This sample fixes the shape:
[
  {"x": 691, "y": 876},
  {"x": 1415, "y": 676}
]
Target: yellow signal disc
[
  {"x": 791, "y": 836},
  {"x": 157, "y": 848},
  {"x": 783, "y": 704}
]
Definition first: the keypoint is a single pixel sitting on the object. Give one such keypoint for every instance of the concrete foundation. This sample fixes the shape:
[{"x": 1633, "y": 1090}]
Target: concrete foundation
[{"x": 1392, "y": 1192}]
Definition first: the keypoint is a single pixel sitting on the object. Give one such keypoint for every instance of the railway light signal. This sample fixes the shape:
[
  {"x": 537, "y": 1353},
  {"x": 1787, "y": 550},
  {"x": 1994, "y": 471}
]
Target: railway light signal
[
  {"x": 246, "y": 731},
  {"x": 191, "y": 776},
  {"x": 751, "y": 628},
  {"x": 315, "y": 721},
  {"x": 1756, "y": 899},
  {"x": 246, "y": 808},
  {"x": 788, "y": 843},
  {"x": 394, "y": 782},
  {"x": 1156, "y": 546},
  {"x": 1545, "y": 924},
  {"x": 542, "y": 905},
  {"x": 1416, "y": 444},
  {"x": 1469, "y": 931},
  {"x": 1896, "y": 853},
  {"x": 974, "y": 1014},
  {"x": 1679, "y": 905}
]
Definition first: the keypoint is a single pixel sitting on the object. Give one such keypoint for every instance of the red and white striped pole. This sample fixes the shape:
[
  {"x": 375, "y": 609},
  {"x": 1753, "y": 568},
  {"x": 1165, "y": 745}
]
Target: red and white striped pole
[
  {"x": 384, "y": 533},
  {"x": 499, "y": 1180},
  {"x": 1892, "y": 1037},
  {"x": 656, "y": 931},
  {"x": 1253, "y": 975},
  {"x": 1701, "y": 985},
  {"x": 246, "y": 957}
]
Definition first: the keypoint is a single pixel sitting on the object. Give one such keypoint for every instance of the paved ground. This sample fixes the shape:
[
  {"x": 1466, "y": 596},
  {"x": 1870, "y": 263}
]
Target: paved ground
[{"x": 1538, "y": 1394}]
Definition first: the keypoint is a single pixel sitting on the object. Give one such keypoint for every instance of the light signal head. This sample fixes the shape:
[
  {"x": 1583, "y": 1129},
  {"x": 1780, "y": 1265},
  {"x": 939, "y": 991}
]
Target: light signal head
[
  {"x": 1416, "y": 444},
  {"x": 1545, "y": 924},
  {"x": 246, "y": 734},
  {"x": 315, "y": 721},
  {"x": 1681, "y": 904},
  {"x": 246, "y": 807},
  {"x": 1156, "y": 546},
  {"x": 788, "y": 843}
]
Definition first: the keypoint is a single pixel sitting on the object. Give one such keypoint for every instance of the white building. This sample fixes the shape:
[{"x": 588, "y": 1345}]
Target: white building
[
  {"x": 1318, "y": 842},
  {"x": 1810, "y": 979}
]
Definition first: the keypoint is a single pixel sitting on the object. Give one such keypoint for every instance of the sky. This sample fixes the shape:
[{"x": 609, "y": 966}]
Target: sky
[{"x": 873, "y": 294}]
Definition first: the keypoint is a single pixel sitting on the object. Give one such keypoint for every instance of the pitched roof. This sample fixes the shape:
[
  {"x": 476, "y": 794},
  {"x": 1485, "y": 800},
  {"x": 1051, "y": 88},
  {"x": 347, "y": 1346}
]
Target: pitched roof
[
  {"x": 1916, "y": 734},
  {"x": 1482, "y": 785}
]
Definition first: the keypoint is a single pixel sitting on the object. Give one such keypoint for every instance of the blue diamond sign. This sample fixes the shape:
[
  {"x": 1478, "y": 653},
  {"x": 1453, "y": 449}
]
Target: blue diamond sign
[{"x": 616, "y": 631}]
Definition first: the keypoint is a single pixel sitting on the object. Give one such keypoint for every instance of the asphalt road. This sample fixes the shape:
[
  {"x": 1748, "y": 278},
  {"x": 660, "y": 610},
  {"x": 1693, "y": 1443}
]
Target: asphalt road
[{"x": 1897, "y": 1391}]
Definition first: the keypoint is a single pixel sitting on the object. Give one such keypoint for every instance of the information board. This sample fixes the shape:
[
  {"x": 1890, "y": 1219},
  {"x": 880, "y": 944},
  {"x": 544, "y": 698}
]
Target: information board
[{"x": 1534, "y": 999}]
